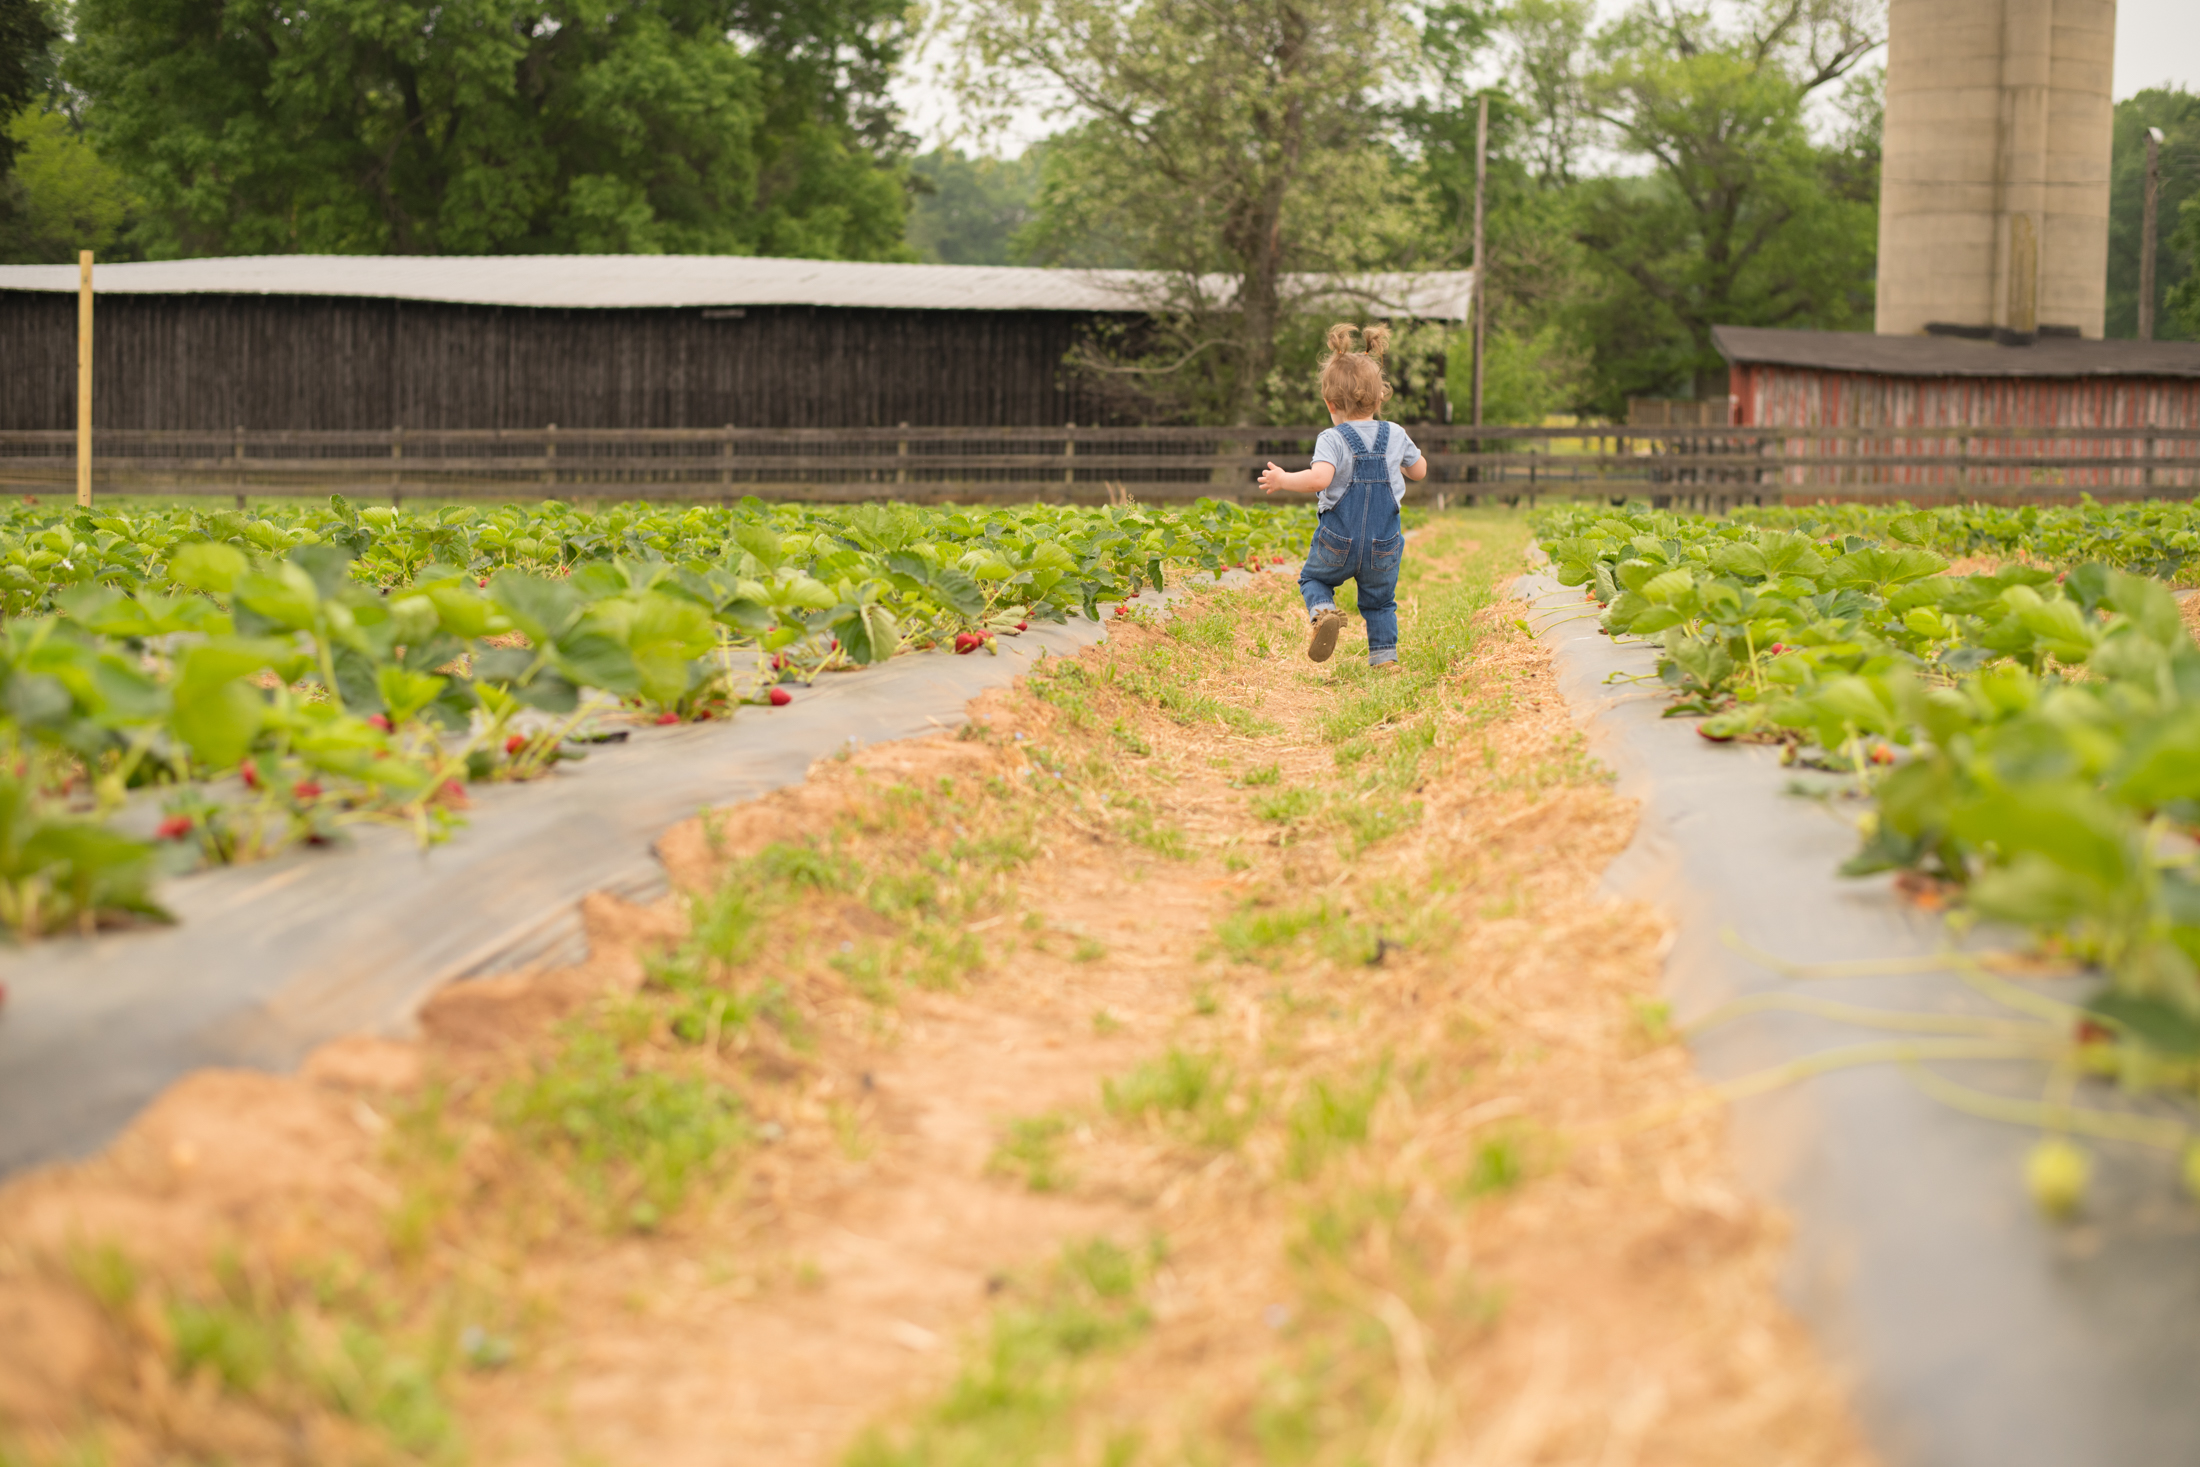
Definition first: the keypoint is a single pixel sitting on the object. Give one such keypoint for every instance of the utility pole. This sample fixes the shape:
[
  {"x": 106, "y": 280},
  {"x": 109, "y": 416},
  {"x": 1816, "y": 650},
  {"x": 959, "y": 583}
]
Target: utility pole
[
  {"x": 2146, "y": 234},
  {"x": 1481, "y": 192},
  {"x": 84, "y": 379}
]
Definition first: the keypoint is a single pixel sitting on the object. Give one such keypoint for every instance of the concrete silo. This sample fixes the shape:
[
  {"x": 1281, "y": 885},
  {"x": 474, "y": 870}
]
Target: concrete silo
[{"x": 1993, "y": 203}]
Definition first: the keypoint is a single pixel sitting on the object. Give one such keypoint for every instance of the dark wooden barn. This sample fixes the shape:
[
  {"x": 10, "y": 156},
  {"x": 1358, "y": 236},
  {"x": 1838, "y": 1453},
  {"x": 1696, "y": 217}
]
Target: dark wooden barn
[{"x": 331, "y": 342}]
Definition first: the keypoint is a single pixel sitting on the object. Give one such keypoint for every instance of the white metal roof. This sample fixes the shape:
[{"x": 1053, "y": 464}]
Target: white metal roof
[{"x": 698, "y": 280}]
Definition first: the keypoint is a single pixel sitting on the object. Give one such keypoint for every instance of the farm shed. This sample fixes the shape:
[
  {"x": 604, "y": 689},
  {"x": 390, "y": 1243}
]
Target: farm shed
[
  {"x": 1971, "y": 399},
  {"x": 597, "y": 341}
]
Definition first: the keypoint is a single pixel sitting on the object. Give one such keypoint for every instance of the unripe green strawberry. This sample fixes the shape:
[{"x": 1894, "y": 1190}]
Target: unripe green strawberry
[{"x": 2056, "y": 1173}]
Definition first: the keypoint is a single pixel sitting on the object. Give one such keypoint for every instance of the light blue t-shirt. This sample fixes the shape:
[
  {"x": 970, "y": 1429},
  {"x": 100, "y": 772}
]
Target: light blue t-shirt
[{"x": 1330, "y": 448}]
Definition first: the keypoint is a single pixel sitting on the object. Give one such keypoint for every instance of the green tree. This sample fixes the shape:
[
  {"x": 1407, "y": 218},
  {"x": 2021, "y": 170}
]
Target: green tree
[
  {"x": 968, "y": 211},
  {"x": 493, "y": 126},
  {"x": 1226, "y": 147},
  {"x": 2177, "y": 112},
  {"x": 62, "y": 198},
  {"x": 1741, "y": 218},
  {"x": 27, "y": 35}
]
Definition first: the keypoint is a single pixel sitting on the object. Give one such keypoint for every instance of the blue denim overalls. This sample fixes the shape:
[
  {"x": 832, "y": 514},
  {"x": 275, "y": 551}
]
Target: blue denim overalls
[{"x": 1360, "y": 539}]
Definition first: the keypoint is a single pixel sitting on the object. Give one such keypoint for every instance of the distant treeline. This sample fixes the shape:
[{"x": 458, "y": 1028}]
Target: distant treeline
[{"x": 1651, "y": 175}]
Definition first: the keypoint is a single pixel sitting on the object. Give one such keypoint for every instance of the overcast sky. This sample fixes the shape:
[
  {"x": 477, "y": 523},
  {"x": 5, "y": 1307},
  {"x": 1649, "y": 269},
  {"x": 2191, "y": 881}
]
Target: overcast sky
[{"x": 2157, "y": 42}]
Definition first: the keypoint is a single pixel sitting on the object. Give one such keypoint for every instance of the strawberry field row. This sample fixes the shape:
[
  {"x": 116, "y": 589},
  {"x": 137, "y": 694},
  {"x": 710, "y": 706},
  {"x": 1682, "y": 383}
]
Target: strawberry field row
[
  {"x": 2027, "y": 737},
  {"x": 185, "y": 685}
]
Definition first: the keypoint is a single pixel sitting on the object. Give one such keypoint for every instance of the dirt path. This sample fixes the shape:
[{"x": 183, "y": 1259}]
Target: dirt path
[{"x": 1212, "y": 1058}]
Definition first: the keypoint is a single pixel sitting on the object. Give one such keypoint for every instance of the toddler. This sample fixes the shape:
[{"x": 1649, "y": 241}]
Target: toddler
[{"x": 1359, "y": 471}]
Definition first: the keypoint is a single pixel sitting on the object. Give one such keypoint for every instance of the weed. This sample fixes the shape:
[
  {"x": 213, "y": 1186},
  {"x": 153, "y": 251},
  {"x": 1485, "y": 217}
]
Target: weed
[
  {"x": 1128, "y": 738},
  {"x": 1204, "y": 1002},
  {"x": 801, "y": 866},
  {"x": 848, "y": 1132},
  {"x": 1015, "y": 1399},
  {"x": 1499, "y": 1165},
  {"x": 1255, "y": 932},
  {"x": 1195, "y": 1095},
  {"x": 1162, "y": 840},
  {"x": 1285, "y": 806},
  {"x": 1105, "y": 1023},
  {"x": 1033, "y": 1151},
  {"x": 1369, "y": 823},
  {"x": 1653, "y": 1019},
  {"x": 1089, "y": 951},
  {"x": 106, "y": 1273},
  {"x": 634, "y": 1138},
  {"x": 1215, "y": 629},
  {"x": 1331, "y": 1117},
  {"x": 1266, "y": 774}
]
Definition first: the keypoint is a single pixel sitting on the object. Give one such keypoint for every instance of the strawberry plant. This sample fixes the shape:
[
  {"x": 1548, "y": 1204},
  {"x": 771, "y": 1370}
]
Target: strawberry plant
[
  {"x": 2027, "y": 736},
  {"x": 271, "y": 677}
]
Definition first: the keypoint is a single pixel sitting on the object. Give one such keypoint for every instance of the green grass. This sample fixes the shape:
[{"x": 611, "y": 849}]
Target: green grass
[
  {"x": 1032, "y": 1152},
  {"x": 632, "y": 1138},
  {"x": 1285, "y": 806},
  {"x": 1015, "y": 1400},
  {"x": 1197, "y": 1096},
  {"x": 1331, "y": 1116}
]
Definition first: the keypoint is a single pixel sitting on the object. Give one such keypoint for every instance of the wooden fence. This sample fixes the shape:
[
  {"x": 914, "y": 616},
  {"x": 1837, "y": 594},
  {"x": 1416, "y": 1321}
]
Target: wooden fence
[{"x": 1709, "y": 467}]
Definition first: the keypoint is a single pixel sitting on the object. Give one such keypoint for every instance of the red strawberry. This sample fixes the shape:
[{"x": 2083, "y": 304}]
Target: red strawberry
[
  {"x": 665, "y": 718},
  {"x": 175, "y": 827},
  {"x": 780, "y": 697},
  {"x": 967, "y": 642},
  {"x": 250, "y": 773},
  {"x": 1023, "y": 626},
  {"x": 380, "y": 721},
  {"x": 2092, "y": 1031},
  {"x": 1881, "y": 754},
  {"x": 1275, "y": 560},
  {"x": 454, "y": 792},
  {"x": 515, "y": 743},
  {"x": 306, "y": 789}
]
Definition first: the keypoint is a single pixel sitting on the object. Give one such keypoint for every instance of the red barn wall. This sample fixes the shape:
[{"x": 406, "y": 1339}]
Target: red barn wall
[{"x": 1778, "y": 396}]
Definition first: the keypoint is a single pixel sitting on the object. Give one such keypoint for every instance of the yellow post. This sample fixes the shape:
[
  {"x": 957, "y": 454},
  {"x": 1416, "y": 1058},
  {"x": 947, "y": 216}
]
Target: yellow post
[{"x": 84, "y": 379}]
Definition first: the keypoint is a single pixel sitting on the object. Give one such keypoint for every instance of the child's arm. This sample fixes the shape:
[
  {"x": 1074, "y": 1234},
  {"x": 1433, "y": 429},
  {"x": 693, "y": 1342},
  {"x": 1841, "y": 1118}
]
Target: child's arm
[
  {"x": 1305, "y": 481},
  {"x": 1415, "y": 466}
]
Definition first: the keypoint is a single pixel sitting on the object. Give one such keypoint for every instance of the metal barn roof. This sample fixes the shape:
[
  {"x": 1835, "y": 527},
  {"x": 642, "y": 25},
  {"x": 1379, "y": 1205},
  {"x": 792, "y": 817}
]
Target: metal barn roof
[
  {"x": 611, "y": 281},
  {"x": 1955, "y": 356}
]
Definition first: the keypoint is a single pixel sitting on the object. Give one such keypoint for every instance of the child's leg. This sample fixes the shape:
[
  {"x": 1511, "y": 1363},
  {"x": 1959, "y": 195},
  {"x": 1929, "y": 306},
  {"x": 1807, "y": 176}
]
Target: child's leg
[
  {"x": 1320, "y": 593},
  {"x": 1378, "y": 580}
]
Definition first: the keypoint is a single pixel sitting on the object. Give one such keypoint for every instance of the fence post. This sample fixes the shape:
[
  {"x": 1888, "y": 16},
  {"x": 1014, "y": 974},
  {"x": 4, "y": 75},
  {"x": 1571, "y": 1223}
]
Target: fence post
[
  {"x": 84, "y": 379},
  {"x": 238, "y": 454},
  {"x": 397, "y": 475},
  {"x": 1069, "y": 450},
  {"x": 550, "y": 451},
  {"x": 725, "y": 468},
  {"x": 901, "y": 457}
]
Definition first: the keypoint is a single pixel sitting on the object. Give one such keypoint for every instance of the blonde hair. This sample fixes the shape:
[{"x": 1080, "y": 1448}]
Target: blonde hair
[{"x": 1352, "y": 381}]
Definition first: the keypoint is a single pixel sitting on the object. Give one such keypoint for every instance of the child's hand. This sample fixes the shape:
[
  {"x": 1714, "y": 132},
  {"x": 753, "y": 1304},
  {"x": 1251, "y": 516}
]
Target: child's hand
[{"x": 1271, "y": 478}]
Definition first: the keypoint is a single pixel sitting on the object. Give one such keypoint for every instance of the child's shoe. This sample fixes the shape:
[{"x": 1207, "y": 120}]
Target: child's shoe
[
  {"x": 1324, "y": 640},
  {"x": 1390, "y": 669}
]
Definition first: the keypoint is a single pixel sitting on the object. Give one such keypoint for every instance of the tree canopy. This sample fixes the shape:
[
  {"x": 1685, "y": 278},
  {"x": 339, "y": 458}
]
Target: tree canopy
[
  {"x": 489, "y": 126},
  {"x": 1224, "y": 147}
]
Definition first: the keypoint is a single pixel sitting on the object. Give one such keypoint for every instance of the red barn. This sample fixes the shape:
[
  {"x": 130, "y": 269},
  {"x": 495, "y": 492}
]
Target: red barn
[{"x": 1850, "y": 382}]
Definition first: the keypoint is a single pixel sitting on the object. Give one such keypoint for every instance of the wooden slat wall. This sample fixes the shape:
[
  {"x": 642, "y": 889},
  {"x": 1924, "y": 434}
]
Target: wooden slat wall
[
  {"x": 220, "y": 362},
  {"x": 1776, "y": 396}
]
